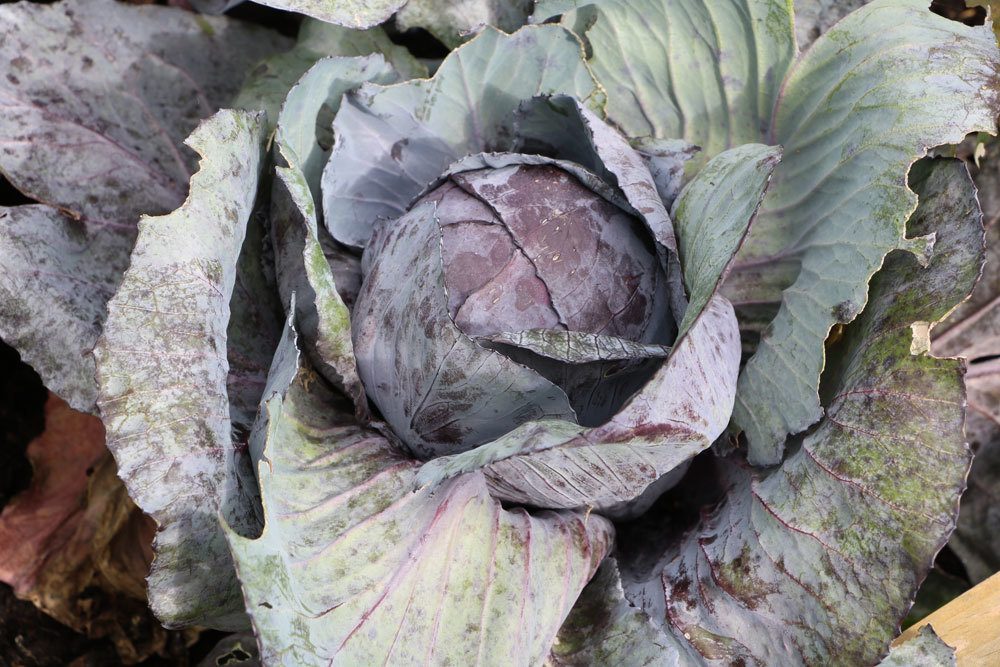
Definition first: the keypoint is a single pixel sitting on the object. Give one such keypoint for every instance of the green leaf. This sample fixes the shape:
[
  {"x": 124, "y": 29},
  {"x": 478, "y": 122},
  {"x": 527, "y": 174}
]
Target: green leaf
[
  {"x": 706, "y": 72},
  {"x": 300, "y": 263},
  {"x": 164, "y": 380},
  {"x": 817, "y": 561},
  {"x": 973, "y": 332},
  {"x": 94, "y": 127},
  {"x": 255, "y": 324},
  {"x": 394, "y": 141},
  {"x": 814, "y": 17},
  {"x": 303, "y": 127},
  {"x": 451, "y": 22},
  {"x": 713, "y": 214},
  {"x": 356, "y": 568},
  {"x": 271, "y": 79},
  {"x": 857, "y": 109},
  {"x": 924, "y": 650},
  {"x": 57, "y": 276},
  {"x": 666, "y": 159},
  {"x": 303, "y": 271}
]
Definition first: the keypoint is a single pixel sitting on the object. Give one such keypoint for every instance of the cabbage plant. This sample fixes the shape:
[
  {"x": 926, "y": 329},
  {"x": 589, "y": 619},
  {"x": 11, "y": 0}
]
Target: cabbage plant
[{"x": 606, "y": 344}]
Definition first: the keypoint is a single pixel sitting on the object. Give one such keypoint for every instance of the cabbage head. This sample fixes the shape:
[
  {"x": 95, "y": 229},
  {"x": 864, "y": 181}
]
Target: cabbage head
[{"x": 608, "y": 343}]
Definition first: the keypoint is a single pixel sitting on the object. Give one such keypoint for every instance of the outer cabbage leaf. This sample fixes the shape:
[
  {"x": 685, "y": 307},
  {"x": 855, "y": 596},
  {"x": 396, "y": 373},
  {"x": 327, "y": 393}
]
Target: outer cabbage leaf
[
  {"x": 257, "y": 320},
  {"x": 666, "y": 159},
  {"x": 852, "y": 113},
  {"x": 301, "y": 265},
  {"x": 110, "y": 103},
  {"x": 354, "y": 567},
  {"x": 973, "y": 331},
  {"x": 606, "y": 629},
  {"x": 924, "y": 650},
  {"x": 303, "y": 133},
  {"x": 392, "y": 142},
  {"x": 93, "y": 129},
  {"x": 858, "y": 108},
  {"x": 818, "y": 560},
  {"x": 680, "y": 412},
  {"x": 164, "y": 378},
  {"x": 713, "y": 215},
  {"x": 451, "y": 21},
  {"x": 272, "y": 79},
  {"x": 254, "y": 325},
  {"x": 705, "y": 72},
  {"x": 58, "y": 274},
  {"x": 814, "y": 17},
  {"x": 687, "y": 403}
]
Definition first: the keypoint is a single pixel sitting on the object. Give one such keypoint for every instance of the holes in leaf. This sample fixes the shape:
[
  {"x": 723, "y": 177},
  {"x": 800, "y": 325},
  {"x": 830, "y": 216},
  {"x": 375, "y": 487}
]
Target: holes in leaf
[
  {"x": 956, "y": 10},
  {"x": 234, "y": 657}
]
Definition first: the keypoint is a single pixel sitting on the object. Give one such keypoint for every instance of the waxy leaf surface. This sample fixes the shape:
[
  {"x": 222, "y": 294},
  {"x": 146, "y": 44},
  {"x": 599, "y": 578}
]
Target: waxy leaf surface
[
  {"x": 393, "y": 142},
  {"x": 406, "y": 342},
  {"x": 271, "y": 80},
  {"x": 355, "y": 567},
  {"x": 300, "y": 263},
  {"x": 680, "y": 412},
  {"x": 973, "y": 332},
  {"x": 96, "y": 100},
  {"x": 713, "y": 214},
  {"x": 705, "y": 72},
  {"x": 870, "y": 97},
  {"x": 818, "y": 560},
  {"x": 163, "y": 376}
]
